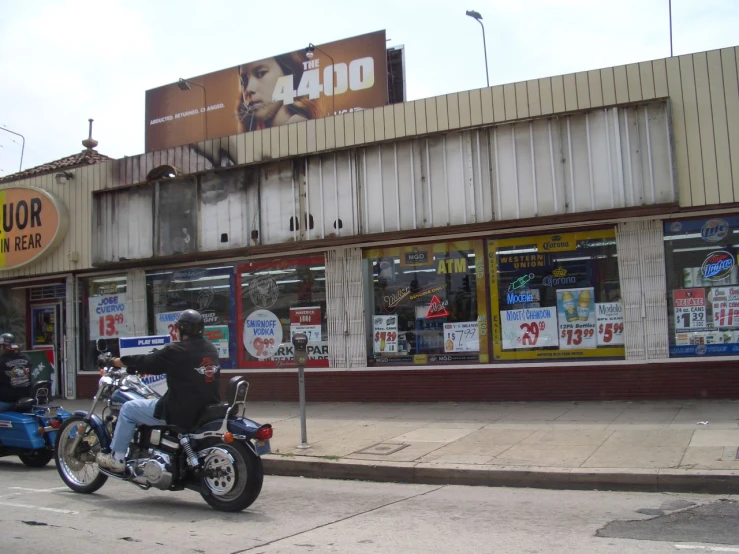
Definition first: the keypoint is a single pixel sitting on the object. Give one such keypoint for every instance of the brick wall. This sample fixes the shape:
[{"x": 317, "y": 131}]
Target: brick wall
[{"x": 708, "y": 380}]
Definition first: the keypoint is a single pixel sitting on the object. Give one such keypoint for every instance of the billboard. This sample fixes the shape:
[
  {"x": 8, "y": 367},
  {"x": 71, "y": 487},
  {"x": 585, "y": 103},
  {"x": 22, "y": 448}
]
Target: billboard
[{"x": 338, "y": 77}]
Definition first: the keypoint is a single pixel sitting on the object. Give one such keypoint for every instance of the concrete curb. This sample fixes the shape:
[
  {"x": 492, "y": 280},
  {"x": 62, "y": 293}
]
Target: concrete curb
[{"x": 624, "y": 479}]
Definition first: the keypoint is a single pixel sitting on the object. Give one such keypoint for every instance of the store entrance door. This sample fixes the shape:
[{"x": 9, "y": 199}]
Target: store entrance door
[{"x": 47, "y": 335}]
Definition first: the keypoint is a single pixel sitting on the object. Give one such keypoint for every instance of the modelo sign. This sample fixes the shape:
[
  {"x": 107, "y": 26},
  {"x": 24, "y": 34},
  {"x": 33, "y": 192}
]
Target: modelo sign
[{"x": 32, "y": 223}]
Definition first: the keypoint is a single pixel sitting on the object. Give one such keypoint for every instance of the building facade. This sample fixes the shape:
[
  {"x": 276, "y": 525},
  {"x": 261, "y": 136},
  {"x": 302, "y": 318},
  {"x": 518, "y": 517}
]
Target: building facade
[{"x": 570, "y": 237}]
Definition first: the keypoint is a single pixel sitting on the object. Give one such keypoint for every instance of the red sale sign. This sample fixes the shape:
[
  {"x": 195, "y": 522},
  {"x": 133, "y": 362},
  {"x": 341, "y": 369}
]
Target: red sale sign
[
  {"x": 305, "y": 316},
  {"x": 689, "y": 309}
]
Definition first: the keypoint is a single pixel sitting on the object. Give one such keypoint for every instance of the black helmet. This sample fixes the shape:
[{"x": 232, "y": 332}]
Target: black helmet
[
  {"x": 190, "y": 323},
  {"x": 7, "y": 340}
]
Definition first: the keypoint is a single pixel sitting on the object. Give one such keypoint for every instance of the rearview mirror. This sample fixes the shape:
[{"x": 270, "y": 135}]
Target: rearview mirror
[{"x": 101, "y": 345}]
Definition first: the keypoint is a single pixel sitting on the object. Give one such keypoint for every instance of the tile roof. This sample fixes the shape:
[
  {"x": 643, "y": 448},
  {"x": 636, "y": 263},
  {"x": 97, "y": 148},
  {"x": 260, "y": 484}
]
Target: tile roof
[{"x": 86, "y": 157}]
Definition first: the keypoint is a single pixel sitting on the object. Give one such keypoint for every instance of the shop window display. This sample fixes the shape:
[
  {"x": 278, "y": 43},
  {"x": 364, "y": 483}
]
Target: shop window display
[
  {"x": 555, "y": 297},
  {"x": 207, "y": 290},
  {"x": 703, "y": 286},
  {"x": 426, "y": 304},
  {"x": 279, "y": 298},
  {"x": 104, "y": 314}
]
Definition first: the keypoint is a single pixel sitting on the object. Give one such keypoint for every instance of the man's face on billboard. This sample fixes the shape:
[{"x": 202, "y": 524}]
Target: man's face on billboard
[{"x": 257, "y": 86}]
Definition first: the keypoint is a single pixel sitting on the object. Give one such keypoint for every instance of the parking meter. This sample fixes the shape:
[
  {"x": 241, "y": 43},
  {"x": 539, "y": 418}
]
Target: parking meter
[
  {"x": 300, "y": 344},
  {"x": 300, "y": 351}
]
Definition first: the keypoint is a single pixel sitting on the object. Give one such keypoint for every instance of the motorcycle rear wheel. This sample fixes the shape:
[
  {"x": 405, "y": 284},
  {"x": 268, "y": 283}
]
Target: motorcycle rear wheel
[
  {"x": 37, "y": 458},
  {"x": 78, "y": 469},
  {"x": 241, "y": 480}
]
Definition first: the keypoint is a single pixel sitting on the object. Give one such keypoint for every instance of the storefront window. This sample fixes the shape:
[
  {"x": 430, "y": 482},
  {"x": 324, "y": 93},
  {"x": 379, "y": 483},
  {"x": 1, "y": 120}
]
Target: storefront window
[
  {"x": 556, "y": 296},
  {"x": 703, "y": 285},
  {"x": 426, "y": 304},
  {"x": 207, "y": 290},
  {"x": 278, "y": 299},
  {"x": 104, "y": 315}
]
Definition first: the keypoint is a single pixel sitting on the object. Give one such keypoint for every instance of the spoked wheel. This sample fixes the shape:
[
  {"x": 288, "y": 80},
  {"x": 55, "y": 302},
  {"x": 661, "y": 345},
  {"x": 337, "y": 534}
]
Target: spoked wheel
[
  {"x": 37, "y": 458},
  {"x": 236, "y": 479},
  {"x": 76, "y": 465}
]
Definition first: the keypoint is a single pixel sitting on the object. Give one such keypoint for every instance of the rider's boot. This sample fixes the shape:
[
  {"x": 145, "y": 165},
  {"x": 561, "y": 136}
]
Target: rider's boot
[{"x": 112, "y": 461}]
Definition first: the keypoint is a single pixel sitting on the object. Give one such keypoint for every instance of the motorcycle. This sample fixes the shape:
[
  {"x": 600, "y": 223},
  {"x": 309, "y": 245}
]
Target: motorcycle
[
  {"x": 220, "y": 457},
  {"x": 28, "y": 429}
]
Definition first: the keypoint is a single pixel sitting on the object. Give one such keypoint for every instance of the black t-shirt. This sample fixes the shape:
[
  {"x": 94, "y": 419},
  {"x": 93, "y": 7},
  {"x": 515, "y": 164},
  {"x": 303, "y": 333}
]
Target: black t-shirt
[
  {"x": 193, "y": 379},
  {"x": 15, "y": 376}
]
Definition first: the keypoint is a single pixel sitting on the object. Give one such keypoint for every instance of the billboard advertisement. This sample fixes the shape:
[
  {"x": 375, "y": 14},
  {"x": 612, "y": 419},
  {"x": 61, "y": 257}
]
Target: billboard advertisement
[{"x": 337, "y": 77}]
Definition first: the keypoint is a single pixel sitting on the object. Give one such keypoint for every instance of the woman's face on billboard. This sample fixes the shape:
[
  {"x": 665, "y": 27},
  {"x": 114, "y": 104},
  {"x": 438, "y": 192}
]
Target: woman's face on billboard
[{"x": 258, "y": 82}]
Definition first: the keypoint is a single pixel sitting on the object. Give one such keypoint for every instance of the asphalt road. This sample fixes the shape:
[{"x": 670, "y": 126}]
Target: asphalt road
[{"x": 295, "y": 515}]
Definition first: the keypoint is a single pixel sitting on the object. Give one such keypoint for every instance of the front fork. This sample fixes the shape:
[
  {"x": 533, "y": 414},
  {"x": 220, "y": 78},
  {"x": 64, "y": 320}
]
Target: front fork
[{"x": 87, "y": 418}]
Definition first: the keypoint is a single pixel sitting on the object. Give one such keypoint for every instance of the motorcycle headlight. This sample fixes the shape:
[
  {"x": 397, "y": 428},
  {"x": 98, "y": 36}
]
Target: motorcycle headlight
[{"x": 105, "y": 380}]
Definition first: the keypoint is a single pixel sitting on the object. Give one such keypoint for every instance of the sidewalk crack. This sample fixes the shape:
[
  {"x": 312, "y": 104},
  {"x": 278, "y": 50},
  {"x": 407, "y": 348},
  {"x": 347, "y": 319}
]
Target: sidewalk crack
[
  {"x": 370, "y": 510},
  {"x": 610, "y": 434}
]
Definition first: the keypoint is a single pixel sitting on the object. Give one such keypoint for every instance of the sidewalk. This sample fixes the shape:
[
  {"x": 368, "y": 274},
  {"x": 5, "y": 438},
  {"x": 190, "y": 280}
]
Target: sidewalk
[{"x": 689, "y": 445}]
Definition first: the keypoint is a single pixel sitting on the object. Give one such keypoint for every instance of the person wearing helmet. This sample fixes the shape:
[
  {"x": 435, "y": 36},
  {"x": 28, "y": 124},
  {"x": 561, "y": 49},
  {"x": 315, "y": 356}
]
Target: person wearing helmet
[
  {"x": 15, "y": 372},
  {"x": 193, "y": 382}
]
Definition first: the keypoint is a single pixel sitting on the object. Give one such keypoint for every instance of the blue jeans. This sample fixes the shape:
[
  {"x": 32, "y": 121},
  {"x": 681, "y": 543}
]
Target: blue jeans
[
  {"x": 5, "y": 406},
  {"x": 133, "y": 413}
]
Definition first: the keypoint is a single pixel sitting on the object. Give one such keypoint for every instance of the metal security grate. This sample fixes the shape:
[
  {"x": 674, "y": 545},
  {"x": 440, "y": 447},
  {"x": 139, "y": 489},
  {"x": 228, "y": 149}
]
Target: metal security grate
[
  {"x": 643, "y": 289},
  {"x": 47, "y": 292},
  {"x": 347, "y": 346}
]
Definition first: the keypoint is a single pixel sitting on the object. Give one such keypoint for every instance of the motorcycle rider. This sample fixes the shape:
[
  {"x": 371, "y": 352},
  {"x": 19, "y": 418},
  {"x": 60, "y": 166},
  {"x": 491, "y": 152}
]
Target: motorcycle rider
[
  {"x": 15, "y": 372},
  {"x": 193, "y": 382}
]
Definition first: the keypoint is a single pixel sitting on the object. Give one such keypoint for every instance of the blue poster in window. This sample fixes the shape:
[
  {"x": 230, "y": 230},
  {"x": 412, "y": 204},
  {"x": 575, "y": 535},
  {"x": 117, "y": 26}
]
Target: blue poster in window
[{"x": 712, "y": 230}]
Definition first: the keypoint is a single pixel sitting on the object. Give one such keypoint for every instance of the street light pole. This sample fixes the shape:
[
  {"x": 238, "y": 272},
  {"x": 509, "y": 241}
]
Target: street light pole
[
  {"x": 476, "y": 15},
  {"x": 669, "y": 6},
  {"x": 309, "y": 53},
  {"x": 184, "y": 84},
  {"x": 23, "y": 147}
]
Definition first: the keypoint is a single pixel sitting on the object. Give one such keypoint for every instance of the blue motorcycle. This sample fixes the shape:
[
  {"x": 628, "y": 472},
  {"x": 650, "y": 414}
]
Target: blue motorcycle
[
  {"x": 28, "y": 430},
  {"x": 219, "y": 457}
]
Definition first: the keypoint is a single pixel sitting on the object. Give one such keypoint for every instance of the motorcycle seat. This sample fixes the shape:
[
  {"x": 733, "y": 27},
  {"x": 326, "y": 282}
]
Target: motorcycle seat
[
  {"x": 23, "y": 405},
  {"x": 209, "y": 413}
]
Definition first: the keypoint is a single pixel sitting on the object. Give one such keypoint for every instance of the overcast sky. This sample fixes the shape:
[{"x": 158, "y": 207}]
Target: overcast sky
[{"x": 64, "y": 61}]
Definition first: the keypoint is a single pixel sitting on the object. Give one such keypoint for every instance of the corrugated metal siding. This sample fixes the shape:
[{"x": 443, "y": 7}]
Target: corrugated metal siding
[
  {"x": 602, "y": 159},
  {"x": 703, "y": 89}
]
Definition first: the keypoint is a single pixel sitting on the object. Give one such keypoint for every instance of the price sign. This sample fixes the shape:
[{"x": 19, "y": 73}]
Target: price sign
[
  {"x": 610, "y": 323},
  {"x": 725, "y": 304},
  {"x": 529, "y": 328},
  {"x": 385, "y": 329},
  {"x": 262, "y": 334},
  {"x": 574, "y": 338},
  {"x": 165, "y": 324},
  {"x": 610, "y": 333},
  {"x": 107, "y": 316},
  {"x": 689, "y": 309},
  {"x": 461, "y": 337},
  {"x": 576, "y": 319},
  {"x": 218, "y": 335},
  {"x": 306, "y": 320}
]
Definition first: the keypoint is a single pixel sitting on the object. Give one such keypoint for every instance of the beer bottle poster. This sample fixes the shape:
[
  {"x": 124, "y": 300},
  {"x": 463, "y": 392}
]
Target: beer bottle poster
[
  {"x": 576, "y": 318},
  {"x": 385, "y": 331}
]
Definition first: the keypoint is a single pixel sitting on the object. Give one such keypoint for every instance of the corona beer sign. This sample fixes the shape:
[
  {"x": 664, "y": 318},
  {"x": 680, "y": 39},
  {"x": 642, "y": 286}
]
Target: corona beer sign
[{"x": 32, "y": 223}]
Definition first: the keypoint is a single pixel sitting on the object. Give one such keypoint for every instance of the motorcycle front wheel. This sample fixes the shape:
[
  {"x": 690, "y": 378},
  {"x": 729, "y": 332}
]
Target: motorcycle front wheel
[
  {"x": 77, "y": 466},
  {"x": 239, "y": 477}
]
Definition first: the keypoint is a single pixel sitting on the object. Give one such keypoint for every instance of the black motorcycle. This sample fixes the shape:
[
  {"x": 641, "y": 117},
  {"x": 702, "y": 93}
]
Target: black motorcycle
[{"x": 219, "y": 457}]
